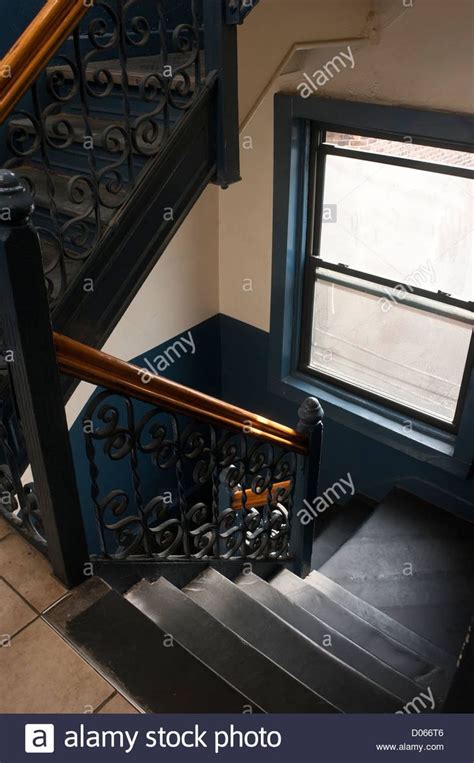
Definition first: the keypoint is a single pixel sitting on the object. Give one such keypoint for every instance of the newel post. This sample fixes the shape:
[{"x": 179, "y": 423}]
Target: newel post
[
  {"x": 220, "y": 46},
  {"x": 310, "y": 423},
  {"x": 28, "y": 340}
]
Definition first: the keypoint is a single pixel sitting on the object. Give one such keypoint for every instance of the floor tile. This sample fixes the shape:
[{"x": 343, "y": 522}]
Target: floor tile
[
  {"x": 27, "y": 570},
  {"x": 14, "y": 613},
  {"x": 118, "y": 704},
  {"x": 40, "y": 673},
  {"x": 4, "y": 528}
]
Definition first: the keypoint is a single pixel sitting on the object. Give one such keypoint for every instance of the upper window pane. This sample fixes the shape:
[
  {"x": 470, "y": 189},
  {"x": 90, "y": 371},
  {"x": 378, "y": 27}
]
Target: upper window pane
[
  {"x": 411, "y": 226},
  {"x": 402, "y": 149}
]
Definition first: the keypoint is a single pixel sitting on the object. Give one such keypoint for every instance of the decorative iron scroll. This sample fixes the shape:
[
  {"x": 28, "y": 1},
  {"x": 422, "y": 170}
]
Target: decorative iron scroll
[
  {"x": 18, "y": 503},
  {"x": 106, "y": 104},
  {"x": 175, "y": 499}
]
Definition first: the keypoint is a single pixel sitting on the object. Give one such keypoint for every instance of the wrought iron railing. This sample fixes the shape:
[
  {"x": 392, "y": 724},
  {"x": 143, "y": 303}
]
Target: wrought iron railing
[
  {"x": 224, "y": 482},
  {"x": 18, "y": 501},
  {"x": 105, "y": 105},
  {"x": 91, "y": 117},
  {"x": 199, "y": 467},
  {"x": 90, "y": 97},
  {"x": 175, "y": 474}
]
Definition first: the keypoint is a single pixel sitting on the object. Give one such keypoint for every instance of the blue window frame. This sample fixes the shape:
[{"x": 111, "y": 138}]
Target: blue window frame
[{"x": 300, "y": 125}]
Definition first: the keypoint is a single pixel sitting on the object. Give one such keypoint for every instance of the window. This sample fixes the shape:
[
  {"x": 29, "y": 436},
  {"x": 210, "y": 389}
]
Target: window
[{"x": 389, "y": 280}]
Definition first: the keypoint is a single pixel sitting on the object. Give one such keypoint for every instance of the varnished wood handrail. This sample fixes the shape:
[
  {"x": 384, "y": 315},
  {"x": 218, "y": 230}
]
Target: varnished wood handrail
[
  {"x": 252, "y": 500},
  {"x": 35, "y": 48},
  {"x": 83, "y": 362}
]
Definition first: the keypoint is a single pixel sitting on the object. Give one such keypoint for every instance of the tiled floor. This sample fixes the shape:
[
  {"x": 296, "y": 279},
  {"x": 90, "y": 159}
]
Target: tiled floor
[{"x": 39, "y": 671}]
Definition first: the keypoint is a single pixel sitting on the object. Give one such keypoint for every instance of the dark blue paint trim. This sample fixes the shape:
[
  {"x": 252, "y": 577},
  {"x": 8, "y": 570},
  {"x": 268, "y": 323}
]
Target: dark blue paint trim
[{"x": 433, "y": 127}]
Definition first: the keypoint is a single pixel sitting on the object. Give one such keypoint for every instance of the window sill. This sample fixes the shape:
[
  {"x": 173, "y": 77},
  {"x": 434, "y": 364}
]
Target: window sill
[{"x": 416, "y": 439}]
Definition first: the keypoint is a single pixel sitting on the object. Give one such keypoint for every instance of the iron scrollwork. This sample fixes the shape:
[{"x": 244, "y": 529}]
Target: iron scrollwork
[
  {"x": 106, "y": 104},
  {"x": 18, "y": 502},
  {"x": 176, "y": 499}
]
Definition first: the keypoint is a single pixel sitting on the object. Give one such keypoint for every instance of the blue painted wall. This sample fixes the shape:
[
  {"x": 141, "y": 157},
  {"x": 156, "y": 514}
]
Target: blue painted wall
[
  {"x": 200, "y": 371},
  {"x": 15, "y": 18}
]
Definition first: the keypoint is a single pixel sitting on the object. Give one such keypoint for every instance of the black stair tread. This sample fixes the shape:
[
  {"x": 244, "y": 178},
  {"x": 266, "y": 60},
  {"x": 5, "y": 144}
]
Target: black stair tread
[
  {"x": 341, "y": 686},
  {"x": 371, "y": 637},
  {"x": 405, "y": 530},
  {"x": 337, "y": 526},
  {"x": 267, "y": 684},
  {"x": 379, "y": 619},
  {"x": 130, "y": 650},
  {"x": 347, "y": 651}
]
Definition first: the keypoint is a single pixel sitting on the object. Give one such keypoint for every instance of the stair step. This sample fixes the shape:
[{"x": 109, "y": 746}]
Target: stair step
[
  {"x": 341, "y": 647},
  {"x": 343, "y": 688},
  {"x": 337, "y": 527},
  {"x": 406, "y": 530},
  {"x": 426, "y": 649},
  {"x": 137, "y": 657},
  {"x": 371, "y": 636},
  {"x": 267, "y": 684}
]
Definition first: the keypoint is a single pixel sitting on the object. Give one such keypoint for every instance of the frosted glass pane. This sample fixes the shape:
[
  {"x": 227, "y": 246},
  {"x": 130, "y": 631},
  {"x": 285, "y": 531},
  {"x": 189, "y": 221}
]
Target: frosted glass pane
[
  {"x": 402, "y": 353},
  {"x": 411, "y": 226}
]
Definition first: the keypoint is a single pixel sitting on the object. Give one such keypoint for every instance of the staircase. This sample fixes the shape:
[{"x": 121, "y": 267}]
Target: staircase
[
  {"x": 218, "y": 600},
  {"x": 412, "y": 561},
  {"x": 130, "y": 113},
  {"x": 264, "y": 639}
]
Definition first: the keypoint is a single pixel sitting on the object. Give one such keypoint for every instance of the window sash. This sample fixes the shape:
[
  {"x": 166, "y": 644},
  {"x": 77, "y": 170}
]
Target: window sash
[
  {"x": 320, "y": 150},
  {"x": 436, "y": 296},
  {"x": 454, "y": 314},
  {"x": 415, "y": 164}
]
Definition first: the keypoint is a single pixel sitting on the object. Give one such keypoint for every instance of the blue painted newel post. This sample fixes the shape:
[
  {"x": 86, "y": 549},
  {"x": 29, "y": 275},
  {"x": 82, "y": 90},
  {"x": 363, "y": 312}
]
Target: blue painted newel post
[
  {"x": 28, "y": 340},
  {"x": 221, "y": 57},
  {"x": 310, "y": 423}
]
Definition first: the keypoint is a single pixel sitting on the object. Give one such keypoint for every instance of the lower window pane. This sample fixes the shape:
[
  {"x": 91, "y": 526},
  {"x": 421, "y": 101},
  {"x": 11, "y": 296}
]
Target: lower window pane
[{"x": 377, "y": 343}]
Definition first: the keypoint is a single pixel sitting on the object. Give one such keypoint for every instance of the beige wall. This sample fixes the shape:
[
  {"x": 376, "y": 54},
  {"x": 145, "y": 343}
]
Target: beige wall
[
  {"x": 275, "y": 25},
  {"x": 220, "y": 260},
  {"x": 181, "y": 291},
  {"x": 423, "y": 59}
]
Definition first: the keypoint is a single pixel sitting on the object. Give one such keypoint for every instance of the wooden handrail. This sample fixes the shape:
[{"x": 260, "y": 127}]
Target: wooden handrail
[
  {"x": 35, "y": 48},
  {"x": 252, "y": 500},
  {"x": 83, "y": 362}
]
